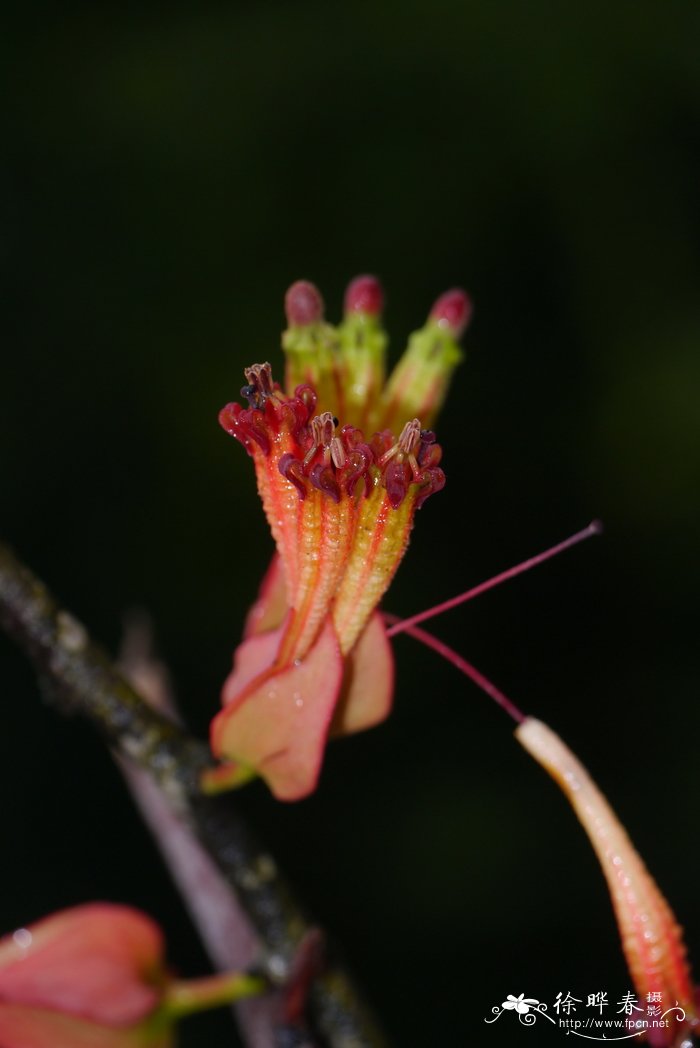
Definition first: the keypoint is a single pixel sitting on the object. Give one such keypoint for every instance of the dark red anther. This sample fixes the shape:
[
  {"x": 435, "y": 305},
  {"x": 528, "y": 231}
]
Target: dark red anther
[
  {"x": 364, "y": 295},
  {"x": 297, "y": 415},
  {"x": 429, "y": 455},
  {"x": 253, "y": 427},
  {"x": 358, "y": 463},
  {"x": 290, "y": 468},
  {"x": 453, "y": 311},
  {"x": 303, "y": 304},
  {"x": 307, "y": 395},
  {"x": 351, "y": 436},
  {"x": 323, "y": 478},
  {"x": 228, "y": 418},
  {"x": 435, "y": 481},
  {"x": 276, "y": 414},
  {"x": 381, "y": 443},
  {"x": 397, "y": 477}
]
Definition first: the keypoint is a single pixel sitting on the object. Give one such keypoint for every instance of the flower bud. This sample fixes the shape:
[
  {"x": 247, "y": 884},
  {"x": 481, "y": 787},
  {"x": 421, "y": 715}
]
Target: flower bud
[
  {"x": 418, "y": 385},
  {"x": 361, "y": 369},
  {"x": 364, "y": 295},
  {"x": 310, "y": 345},
  {"x": 303, "y": 304},
  {"x": 453, "y": 311},
  {"x": 91, "y": 976}
]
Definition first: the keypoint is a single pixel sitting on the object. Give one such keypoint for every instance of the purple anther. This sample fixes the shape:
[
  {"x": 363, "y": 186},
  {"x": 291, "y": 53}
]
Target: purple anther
[
  {"x": 297, "y": 416},
  {"x": 253, "y": 427},
  {"x": 429, "y": 455},
  {"x": 307, "y": 395},
  {"x": 435, "y": 481},
  {"x": 381, "y": 443},
  {"x": 351, "y": 436},
  {"x": 358, "y": 463},
  {"x": 290, "y": 468},
  {"x": 323, "y": 478},
  {"x": 397, "y": 477},
  {"x": 230, "y": 420}
]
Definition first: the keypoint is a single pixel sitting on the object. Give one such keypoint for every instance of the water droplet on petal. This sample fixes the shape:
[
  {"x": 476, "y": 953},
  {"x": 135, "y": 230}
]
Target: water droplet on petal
[{"x": 23, "y": 938}]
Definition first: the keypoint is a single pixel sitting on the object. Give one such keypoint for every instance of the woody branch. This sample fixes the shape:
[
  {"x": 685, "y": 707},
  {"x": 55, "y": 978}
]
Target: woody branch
[{"x": 78, "y": 676}]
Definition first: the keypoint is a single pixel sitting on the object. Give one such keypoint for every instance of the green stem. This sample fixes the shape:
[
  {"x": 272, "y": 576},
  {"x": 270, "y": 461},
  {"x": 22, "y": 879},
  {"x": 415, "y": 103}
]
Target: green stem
[
  {"x": 226, "y": 776},
  {"x": 212, "y": 991}
]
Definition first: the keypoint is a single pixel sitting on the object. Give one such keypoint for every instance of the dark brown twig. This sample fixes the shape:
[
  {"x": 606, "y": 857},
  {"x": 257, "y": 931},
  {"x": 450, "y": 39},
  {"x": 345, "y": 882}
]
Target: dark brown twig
[{"x": 82, "y": 677}]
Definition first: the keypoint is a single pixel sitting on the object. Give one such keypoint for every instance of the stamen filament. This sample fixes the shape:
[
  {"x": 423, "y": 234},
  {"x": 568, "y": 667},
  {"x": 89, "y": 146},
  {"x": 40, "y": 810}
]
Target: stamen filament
[
  {"x": 460, "y": 663},
  {"x": 405, "y": 625}
]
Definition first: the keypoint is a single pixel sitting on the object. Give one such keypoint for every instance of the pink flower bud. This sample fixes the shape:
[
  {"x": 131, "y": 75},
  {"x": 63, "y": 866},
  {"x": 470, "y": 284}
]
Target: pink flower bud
[
  {"x": 364, "y": 295},
  {"x": 453, "y": 311},
  {"x": 303, "y": 304},
  {"x": 92, "y": 975}
]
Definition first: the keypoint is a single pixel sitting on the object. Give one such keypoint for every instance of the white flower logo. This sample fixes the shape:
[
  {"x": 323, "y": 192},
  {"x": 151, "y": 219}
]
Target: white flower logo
[{"x": 520, "y": 1004}]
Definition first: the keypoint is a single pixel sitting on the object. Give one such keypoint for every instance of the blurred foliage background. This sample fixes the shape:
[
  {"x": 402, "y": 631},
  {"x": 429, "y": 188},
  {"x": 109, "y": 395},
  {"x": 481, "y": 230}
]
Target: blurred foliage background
[{"x": 169, "y": 170}]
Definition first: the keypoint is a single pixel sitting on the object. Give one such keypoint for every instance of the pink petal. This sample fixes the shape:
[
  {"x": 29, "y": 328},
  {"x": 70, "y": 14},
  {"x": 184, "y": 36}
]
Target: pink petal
[
  {"x": 271, "y": 606},
  {"x": 34, "y": 1028},
  {"x": 279, "y": 723},
  {"x": 251, "y": 659},
  {"x": 98, "y": 961},
  {"x": 368, "y": 685}
]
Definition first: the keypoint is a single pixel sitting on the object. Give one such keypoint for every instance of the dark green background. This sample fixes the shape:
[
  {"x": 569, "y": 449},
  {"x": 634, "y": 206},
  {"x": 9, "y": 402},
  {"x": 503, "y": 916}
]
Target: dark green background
[{"x": 169, "y": 171}]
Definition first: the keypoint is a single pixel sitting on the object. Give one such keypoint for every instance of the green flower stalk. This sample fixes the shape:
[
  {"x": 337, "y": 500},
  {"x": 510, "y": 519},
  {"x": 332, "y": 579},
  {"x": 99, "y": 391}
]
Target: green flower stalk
[{"x": 95, "y": 977}]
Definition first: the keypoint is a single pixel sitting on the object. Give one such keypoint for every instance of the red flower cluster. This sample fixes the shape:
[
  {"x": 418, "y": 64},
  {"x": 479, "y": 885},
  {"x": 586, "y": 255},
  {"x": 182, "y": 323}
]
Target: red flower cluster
[{"x": 341, "y": 504}]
